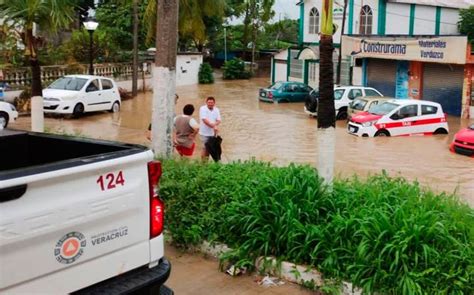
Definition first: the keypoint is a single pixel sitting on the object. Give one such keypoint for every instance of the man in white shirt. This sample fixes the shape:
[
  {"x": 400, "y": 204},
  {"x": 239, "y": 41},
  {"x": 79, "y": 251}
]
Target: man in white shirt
[{"x": 210, "y": 118}]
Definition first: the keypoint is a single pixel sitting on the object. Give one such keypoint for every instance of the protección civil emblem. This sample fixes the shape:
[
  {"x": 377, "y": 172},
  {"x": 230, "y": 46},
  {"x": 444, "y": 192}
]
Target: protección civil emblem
[{"x": 70, "y": 247}]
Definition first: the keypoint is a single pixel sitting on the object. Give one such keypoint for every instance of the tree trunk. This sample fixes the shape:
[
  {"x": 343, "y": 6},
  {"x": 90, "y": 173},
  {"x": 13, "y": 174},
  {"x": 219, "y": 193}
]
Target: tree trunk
[
  {"x": 245, "y": 37},
  {"x": 326, "y": 111},
  {"x": 135, "y": 49},
  {"x": 36, "y": 87},
  {"x": 164, "y": 77}
]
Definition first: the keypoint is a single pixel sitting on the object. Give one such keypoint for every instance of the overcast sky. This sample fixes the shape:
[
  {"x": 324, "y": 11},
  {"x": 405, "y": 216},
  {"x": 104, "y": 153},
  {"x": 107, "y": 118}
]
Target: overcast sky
[{"x": 287, "y": 8}]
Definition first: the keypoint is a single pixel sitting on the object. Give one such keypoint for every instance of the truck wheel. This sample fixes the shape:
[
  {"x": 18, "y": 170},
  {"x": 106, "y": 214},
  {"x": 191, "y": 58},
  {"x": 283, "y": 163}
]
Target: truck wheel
[
  {"x": 78, "y": 110},
  {"x": 382, "y": 133},
  {"x": 115, "y": 107},
  {"x": 3, "y": 120},
  {"x": 342, "y": 115}
]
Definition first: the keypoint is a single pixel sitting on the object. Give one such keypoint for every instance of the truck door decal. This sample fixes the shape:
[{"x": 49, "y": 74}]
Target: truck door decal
[{"x": 112, "y": 181}]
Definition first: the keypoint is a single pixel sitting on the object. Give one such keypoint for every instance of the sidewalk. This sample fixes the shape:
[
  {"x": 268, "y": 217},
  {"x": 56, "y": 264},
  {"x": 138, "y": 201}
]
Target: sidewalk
[{"x": 195, "y": 274}]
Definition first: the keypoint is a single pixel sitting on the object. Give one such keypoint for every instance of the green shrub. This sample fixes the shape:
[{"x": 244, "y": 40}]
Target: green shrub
[
  {"x": 384, "y": 234},
  {"x": 205, "y": 75},
  {"x": 235, "y": 69}
]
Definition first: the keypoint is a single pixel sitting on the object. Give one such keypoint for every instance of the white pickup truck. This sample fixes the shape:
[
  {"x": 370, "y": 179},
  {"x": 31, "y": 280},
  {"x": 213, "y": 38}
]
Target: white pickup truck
[{"x": 79, "y": 215}]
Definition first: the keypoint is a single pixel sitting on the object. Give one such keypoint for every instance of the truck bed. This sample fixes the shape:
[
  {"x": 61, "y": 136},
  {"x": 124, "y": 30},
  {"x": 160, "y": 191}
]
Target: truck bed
[{"x": 25, "y": 153}]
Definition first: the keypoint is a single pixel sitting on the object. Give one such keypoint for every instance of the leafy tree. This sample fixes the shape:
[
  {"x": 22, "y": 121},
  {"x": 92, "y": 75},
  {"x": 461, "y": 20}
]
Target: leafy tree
[
  {"x": 466, "y": 24},
  {"x": 103, "y": 50},
  {"x": 205, "y": 75},
  {"x": 235, "y": 69},
  {"x": 196, "y": 19},
  {"x": 49, "y": 15},
  {"x": 115, "y": 18}
]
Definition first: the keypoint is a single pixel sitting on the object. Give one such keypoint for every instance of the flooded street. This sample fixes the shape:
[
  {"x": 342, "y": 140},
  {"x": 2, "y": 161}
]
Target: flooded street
[{"x": 283, "y": 133}]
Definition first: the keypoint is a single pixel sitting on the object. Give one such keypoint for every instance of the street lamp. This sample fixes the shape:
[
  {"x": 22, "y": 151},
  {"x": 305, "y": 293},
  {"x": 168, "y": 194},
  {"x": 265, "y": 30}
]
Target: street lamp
[
  {"x": 225, "y": 44},
  {"x": 91, "y": 26}
]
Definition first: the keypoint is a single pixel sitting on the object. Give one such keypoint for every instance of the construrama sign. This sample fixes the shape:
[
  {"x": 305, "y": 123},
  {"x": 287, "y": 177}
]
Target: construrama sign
[{"x": 441, "y": 50}]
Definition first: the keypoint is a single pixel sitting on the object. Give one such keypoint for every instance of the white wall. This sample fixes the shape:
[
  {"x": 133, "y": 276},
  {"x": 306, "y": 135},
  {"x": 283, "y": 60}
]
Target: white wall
[
  {"x": 449, "y": 19},
  {"x": 187, "y": 69},
  {"x": 398, "y": 19},
  {"x": 337, "y": 19},
  {"x": 280, "y": 71},
  {"x": 425, "y": 20}
]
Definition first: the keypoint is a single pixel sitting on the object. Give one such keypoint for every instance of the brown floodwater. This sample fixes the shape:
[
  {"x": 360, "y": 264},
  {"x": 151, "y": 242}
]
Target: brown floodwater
[{"x": 283, "y": 133}]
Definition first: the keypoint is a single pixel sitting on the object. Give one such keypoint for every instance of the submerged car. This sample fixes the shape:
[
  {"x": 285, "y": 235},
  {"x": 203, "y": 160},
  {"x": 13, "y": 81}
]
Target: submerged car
[
  {"x": 285, "y": 92},
  {"x": 400, "y": 117},
  {"x": 364, "y": 104},
  {"x": 463, "y": 142},
  {"x": 77, "y": 94},
  {"x": 343, "y": 95},
  {"x": 8, "y": 113}
]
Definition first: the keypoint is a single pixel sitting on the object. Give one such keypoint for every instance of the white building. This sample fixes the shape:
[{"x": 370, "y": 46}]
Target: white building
[{"x": 433, "y": 61}]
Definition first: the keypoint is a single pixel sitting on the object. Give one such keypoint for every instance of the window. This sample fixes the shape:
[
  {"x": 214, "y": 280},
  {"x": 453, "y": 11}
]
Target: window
[
  {"x": 428, "y": 110},
  {"x": 93, "y": 86},
  {"x": 408, "y": 111},
  {"x": 370, "y": 92},
  {"x": 373, "y": 104},
  {"x": 359, "y": 104},
  {"x": 313, "y": 21},
  {"x": 365, "y": 20},
  {"x": 106, "y": 84},
  {"x": 338, "y": 94},
  {"x": 355, "y": 93}
]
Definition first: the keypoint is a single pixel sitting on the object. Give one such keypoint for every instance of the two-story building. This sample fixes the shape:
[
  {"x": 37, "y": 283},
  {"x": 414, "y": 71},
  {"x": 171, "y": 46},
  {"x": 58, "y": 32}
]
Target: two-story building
[{"x": 404, "y": 48}]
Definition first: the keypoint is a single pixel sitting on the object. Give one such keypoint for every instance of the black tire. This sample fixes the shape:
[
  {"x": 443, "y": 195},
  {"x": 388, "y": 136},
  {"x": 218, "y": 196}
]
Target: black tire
[
  {"x": 78, "y": 110},
  {"x": 381, "y": 133},
  {"x": 3, "y": 120},
  {"x": 440, "y": 131},
  {"x": 115, "y": 107},
  {"x": 342, "y": 115}
]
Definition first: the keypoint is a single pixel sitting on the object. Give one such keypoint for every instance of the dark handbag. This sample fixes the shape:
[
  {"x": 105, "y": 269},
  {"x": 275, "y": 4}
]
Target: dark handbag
[{"x": 213, "y": 146}]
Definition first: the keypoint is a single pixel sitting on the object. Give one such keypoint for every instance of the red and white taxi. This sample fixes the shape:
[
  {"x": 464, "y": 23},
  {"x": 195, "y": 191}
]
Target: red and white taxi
[
  {"x": 400, "y": 117},
  {"x": 463, "y": 142}
]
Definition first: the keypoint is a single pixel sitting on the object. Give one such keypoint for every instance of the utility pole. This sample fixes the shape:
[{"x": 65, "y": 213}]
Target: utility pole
[
  {"x": 338, "y": 77},
  {"x": 135, "y": 49},
  {"x": 164, "y": 77}
]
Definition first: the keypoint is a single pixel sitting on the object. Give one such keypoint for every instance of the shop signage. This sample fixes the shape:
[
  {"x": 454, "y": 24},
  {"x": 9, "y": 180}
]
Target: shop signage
[{"x": 440, "y": 50}]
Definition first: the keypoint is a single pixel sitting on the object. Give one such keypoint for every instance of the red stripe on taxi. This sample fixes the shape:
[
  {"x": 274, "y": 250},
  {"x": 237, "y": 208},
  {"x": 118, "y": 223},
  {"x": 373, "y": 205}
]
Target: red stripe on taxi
[{"x": 409, "y": 123}]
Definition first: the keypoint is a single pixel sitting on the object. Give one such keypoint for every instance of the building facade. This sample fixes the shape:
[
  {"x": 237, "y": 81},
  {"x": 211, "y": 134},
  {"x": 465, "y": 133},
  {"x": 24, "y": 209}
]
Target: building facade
[{"x": 404, "y": 48}]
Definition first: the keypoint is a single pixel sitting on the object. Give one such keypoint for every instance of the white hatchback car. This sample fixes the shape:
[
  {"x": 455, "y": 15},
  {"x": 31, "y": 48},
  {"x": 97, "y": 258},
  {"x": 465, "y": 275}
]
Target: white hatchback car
[
  {"x": 400, "y": 117},
  {"x": 77, "y": 94},
  {"x": 8, "y": 113}
]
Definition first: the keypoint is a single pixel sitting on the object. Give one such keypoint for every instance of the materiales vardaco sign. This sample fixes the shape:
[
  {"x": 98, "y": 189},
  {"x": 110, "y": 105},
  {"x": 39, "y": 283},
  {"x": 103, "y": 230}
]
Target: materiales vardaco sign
[{"x": 441, "y": 50}]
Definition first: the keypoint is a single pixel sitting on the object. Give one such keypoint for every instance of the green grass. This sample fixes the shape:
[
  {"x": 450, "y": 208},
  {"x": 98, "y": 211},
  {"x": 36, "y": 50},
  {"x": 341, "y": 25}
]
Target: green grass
[{"x": 383, "y": 234}]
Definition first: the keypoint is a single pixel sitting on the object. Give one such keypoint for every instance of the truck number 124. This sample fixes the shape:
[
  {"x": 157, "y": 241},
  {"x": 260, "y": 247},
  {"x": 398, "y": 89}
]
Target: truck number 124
[{"x": 110, "y": 180}]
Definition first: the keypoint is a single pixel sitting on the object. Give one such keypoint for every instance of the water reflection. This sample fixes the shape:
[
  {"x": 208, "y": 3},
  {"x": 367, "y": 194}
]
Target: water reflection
[{"x": 283, "y": 133}]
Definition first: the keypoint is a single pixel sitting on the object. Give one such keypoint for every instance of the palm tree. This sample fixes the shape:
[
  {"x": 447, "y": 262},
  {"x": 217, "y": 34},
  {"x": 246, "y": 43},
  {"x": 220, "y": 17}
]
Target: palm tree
[
  {"x": 326, "y": 111},
  {"x": 192, "y": 16},
  {"x": 48, "y": 15}
]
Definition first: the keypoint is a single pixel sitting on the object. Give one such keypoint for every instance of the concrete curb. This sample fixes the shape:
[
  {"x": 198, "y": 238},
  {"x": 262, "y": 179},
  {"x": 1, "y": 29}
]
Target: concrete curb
[{"x": 298, "y": 274}]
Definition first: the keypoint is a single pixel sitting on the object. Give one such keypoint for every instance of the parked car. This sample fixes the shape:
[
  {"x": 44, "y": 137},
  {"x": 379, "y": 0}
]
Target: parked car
[
  {"x": 398, "y": 117},
  {"x": 463, "y": 142},
  {"x": 363, "y": 104},
  {"x": 8, "y": 113},
  {"x": 77, "y": 94},
  {"x": 343, "y": 95},
  {"x": 285, "y": 92}
]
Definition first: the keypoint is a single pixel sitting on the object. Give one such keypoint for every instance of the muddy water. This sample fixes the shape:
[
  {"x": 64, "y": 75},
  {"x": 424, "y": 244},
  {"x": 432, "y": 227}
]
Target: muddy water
[{"x": 283, "y": 133}]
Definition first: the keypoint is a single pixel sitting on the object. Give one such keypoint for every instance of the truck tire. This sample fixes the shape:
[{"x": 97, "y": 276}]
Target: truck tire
[
  {"x": 3, "y": 120},
  {"x": 342, "y": 114}
]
